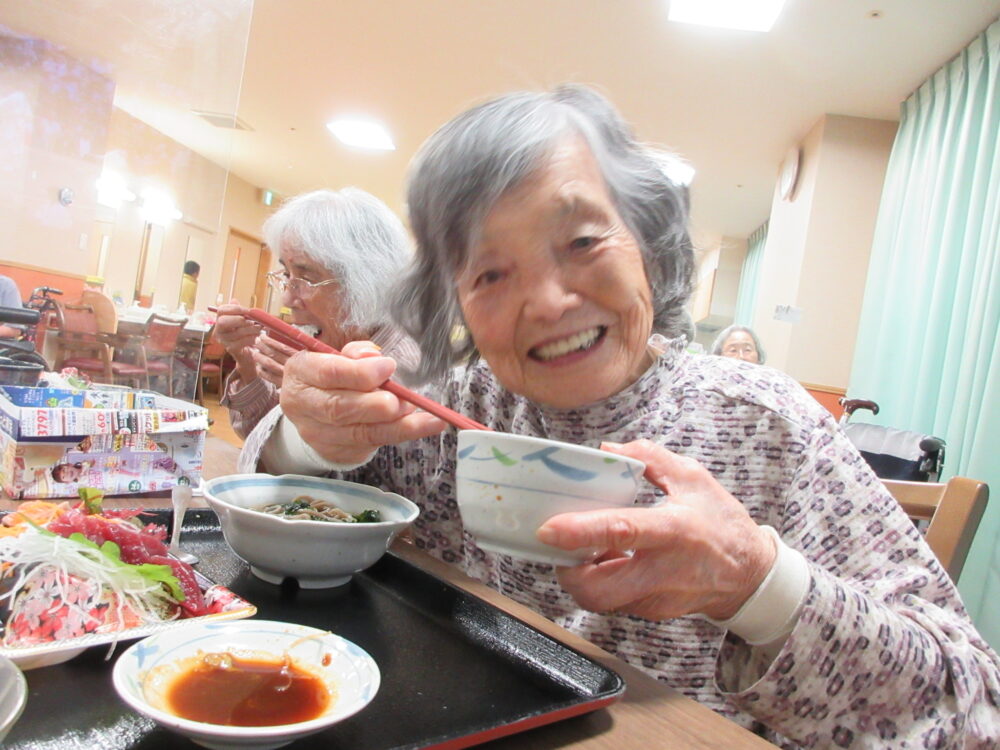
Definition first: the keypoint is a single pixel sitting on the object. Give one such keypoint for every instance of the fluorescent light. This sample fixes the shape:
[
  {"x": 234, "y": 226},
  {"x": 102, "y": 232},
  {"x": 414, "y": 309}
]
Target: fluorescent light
[
  {"x": 112, "y": 189},
  {"x": 362, "y": 133},
  {"x": 745, "y": 15},
  {"x": 158, "y": 207}
]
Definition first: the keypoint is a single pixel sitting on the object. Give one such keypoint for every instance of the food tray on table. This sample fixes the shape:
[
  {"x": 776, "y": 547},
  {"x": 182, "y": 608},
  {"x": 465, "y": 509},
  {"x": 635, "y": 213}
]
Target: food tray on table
[{"x": 456, "y": 671}]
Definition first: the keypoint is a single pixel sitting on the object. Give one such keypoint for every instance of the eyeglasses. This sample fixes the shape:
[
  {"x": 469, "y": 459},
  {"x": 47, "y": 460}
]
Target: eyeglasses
[{"x": 281, "y": 282}]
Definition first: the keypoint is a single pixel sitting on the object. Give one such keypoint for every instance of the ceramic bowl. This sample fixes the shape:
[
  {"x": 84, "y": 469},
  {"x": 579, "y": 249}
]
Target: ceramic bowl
[
  {"x": 13, "y": 695},
  {"x": 317, "y": 554},
  {"x": 509, "y": 485},
  {"x": 144, "y": 671}
]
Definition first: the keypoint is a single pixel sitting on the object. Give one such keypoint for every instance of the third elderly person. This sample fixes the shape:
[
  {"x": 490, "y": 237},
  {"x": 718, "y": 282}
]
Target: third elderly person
[
  {"x": 339, "y": 252},
  {"x": 777, "y": 582}
]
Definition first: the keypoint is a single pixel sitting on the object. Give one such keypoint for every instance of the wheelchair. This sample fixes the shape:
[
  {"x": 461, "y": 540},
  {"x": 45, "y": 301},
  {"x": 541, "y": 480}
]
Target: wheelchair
[
  {"x": 20, "y": 364},
  {"x": 893, "y": 454}
]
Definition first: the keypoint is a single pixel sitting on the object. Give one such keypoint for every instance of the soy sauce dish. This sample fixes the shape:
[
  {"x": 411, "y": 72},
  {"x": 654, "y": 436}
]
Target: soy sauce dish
[{"x": 246, "y": 684}]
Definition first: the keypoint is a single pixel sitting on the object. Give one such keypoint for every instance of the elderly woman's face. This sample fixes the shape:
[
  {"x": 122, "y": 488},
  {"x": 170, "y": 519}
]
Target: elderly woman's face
[
  {"x": 739, "y": 344},
  {"x": 319, "y": 306},
  {"x": 555, "y": 294}
]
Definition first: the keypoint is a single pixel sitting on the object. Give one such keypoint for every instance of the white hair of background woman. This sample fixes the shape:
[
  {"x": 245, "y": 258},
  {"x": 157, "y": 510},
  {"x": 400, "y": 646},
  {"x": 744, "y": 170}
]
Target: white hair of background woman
[{"x": 352, "y": 234}]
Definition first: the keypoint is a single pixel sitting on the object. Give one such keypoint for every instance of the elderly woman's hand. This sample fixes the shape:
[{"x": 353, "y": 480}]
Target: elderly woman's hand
[
  {"x": 338, "y": 408},
  {"x": 237, "y": 335},
  {"x": 698, "y": 552},
  {"x": 270, "y": 356}
]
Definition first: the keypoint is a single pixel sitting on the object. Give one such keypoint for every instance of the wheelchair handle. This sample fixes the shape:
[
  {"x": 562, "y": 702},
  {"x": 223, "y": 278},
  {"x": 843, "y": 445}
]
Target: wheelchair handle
[
  {"x": 851, "y": 405},
  {"x": 18, "y": 316}
]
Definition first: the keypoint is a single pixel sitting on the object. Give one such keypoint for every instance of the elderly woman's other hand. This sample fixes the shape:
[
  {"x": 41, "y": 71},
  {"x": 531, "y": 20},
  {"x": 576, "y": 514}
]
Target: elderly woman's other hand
[
  {"x": 697, "y": 552},
  {"x": 238, "y": 336},
  {"x": 338, "y": 408},
  {"x": 270, "y": 356}
]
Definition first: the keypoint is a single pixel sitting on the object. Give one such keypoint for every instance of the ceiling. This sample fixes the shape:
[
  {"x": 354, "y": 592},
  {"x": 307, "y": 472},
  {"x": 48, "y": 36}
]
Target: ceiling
[{"x": 731, "y": 103}]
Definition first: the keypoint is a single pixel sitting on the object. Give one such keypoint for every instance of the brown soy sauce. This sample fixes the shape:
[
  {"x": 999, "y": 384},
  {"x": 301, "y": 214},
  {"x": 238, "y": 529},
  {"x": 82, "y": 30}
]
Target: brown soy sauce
[{"x": 234, "y": 691}]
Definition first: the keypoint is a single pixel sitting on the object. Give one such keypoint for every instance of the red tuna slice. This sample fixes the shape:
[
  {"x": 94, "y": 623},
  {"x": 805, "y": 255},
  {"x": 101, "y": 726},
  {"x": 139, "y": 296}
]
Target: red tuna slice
[{"x": 194, "y": 603}]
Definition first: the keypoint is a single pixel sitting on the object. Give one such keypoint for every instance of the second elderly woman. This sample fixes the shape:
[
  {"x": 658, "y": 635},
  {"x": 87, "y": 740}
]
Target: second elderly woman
[
  {"x": 340, "y": 252},
  {"x": 778, "y": 582}
]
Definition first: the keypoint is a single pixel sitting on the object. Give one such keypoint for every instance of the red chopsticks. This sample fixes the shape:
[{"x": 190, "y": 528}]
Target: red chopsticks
[{"x": 293, "y": 337}]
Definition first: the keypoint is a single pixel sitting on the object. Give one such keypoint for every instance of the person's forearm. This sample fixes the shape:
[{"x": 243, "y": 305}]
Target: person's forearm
[
  {"x": 9, "y": 332},
  {"x": 285, "y": 452}
]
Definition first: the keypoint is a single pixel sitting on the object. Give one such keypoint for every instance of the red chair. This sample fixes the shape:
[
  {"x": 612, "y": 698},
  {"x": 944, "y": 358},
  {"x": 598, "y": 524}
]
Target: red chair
[
  {"x": 209, "y": 361},
  {"x": 80, "y": 344},
  {"x": 159, "y": 347}
]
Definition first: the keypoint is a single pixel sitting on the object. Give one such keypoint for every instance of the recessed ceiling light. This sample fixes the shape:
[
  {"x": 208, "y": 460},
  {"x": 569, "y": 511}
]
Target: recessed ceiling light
[
  {"x": 362, "y": 133},
  {"x": 745, "y": 15}
]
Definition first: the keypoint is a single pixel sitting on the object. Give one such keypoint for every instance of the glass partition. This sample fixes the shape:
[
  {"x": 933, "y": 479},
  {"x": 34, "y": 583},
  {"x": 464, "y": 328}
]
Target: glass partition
[{"x": 117, "y": 122}]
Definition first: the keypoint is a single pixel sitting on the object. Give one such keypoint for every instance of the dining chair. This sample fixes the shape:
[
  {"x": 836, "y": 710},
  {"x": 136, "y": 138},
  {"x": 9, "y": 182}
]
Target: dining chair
[
  {"x": 159, "y": 347},
  {"x": 209, "y": 361},
  {"x": 81, "y": 344},
  {"x": 104, "y": 308},
  {"x": 953, "y": 510}
]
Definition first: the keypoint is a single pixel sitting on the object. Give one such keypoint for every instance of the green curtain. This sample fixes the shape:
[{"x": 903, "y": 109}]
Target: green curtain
[
  {"x": 746, "y": 296},
  {"x": 927, "y": 347}
]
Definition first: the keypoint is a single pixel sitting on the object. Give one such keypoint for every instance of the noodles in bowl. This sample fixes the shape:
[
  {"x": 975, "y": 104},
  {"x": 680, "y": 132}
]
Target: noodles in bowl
[
  {"x": 316, "y": 552},
  {"x": 306, "y": 508}
]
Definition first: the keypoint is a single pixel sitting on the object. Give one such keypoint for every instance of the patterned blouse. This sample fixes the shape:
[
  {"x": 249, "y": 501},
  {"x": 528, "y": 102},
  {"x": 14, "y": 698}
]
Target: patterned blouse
[{"x": 883, "y": 654}]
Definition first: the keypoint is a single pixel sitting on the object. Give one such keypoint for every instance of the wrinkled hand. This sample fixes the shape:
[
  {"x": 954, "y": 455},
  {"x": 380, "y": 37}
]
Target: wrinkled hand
[
  {"x": 698, "y": 552},
  {"x": 338, "y": 408},
  {"x": 270, "y": 356},
  {"x": 238, "y": 335}
]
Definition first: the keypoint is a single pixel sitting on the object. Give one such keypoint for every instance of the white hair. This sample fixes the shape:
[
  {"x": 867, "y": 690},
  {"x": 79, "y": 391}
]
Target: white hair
[{"x": 352, "y": 234}]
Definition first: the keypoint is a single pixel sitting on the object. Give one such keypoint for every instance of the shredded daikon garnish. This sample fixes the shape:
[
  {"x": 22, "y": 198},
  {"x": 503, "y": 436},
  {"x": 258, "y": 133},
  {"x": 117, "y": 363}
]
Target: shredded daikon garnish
[{"x": 34, "y": 551}]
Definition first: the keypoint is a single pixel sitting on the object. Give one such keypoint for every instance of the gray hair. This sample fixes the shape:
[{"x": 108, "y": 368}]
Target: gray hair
[
  {"x": 463, "y": 168},
  {"x": 725, "y": 333},
  {"x": 356, "y": 237}
]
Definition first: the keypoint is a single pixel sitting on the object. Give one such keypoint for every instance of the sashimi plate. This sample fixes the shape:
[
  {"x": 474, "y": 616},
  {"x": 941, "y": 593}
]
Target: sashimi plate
[{"x": 49, "y": 646}]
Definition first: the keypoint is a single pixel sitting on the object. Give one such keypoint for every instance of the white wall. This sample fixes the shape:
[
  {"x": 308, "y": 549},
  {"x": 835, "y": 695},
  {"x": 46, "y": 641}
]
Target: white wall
[{"x": 818, "y": 244}]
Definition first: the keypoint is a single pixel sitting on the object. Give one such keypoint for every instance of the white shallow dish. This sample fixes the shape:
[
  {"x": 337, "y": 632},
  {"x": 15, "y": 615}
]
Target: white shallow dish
[
  {"x": 508, "y": 485},
  {"x": 59, "y": 651},
  {"x": 351, "y": 673},
  {"x": 13, "y": 695},
  {"x": 318, "y": 554}
]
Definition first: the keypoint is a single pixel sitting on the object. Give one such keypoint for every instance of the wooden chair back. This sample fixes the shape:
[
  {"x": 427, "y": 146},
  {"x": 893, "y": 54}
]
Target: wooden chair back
[
  {"x": 954, "y": 510},
  {"x": 104, "y": 308},
  {"x": 77, "y": 319}
]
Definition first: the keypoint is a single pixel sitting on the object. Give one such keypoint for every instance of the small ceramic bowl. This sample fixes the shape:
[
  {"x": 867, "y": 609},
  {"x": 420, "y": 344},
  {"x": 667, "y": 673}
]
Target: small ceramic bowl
[
  {"x": 318, "y": 554},
  {"x": 509, "y": 485},
  {"x": 144, "y": 671},
  {"x": 13, "y": 695}
]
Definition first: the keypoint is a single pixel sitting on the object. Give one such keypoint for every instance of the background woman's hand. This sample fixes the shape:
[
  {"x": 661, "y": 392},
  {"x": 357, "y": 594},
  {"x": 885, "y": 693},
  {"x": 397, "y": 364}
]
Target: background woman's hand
[
  {"x": 238, "y": 335},
  {"x": 697, "y": 552},
  {"x": 270, "y": 356},
  {"x": 338, "y": 408}
]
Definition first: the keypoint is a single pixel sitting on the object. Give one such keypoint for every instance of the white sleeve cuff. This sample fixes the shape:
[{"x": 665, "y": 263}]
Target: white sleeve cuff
[
  {"x": 770, "y": 614},
  {"x": 286, "y": 452}
]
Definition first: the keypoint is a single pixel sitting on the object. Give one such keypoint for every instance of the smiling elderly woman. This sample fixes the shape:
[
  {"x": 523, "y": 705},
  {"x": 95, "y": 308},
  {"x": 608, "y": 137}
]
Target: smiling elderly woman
[{"x": 778, "y": 583}]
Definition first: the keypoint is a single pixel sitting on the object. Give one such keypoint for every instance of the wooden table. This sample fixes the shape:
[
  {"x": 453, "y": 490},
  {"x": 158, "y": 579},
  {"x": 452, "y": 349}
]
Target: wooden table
[{"x": 650, "y": 715}]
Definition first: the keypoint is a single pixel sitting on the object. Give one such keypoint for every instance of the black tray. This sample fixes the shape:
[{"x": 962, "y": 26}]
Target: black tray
[{"x": 456, "y": 671}]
